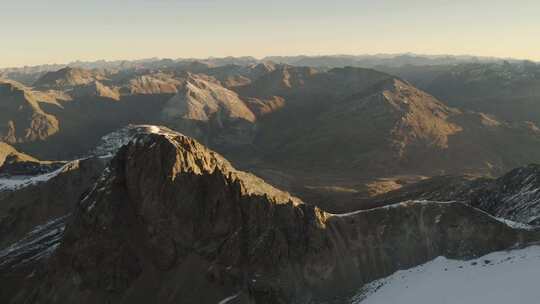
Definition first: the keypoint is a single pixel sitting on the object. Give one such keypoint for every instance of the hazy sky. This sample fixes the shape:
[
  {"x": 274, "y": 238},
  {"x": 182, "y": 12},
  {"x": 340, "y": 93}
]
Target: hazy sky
[{"x": 59, "y": 31}]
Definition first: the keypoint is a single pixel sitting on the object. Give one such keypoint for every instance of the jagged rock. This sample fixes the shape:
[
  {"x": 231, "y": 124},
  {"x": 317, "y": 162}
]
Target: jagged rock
[{"x": 170, "y": 218}]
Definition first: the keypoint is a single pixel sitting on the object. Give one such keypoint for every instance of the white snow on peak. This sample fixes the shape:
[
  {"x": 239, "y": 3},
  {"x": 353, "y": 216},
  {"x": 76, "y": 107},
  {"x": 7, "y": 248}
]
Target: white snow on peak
[
  {"x": 110, "y": 143},
  {"x": 497, "y": 278}
]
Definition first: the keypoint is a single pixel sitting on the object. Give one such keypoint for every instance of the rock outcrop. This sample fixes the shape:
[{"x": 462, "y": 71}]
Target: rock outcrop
[{"x": 169, "y": 218}]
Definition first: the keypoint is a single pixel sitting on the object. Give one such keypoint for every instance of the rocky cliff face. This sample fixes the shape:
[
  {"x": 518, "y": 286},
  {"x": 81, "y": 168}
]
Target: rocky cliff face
[{"x": 170, "y": 218}]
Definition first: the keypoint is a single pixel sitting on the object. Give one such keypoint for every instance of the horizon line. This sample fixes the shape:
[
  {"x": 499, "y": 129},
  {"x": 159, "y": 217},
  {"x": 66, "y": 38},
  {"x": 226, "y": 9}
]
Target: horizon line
[{"x": 259, "y": 58}]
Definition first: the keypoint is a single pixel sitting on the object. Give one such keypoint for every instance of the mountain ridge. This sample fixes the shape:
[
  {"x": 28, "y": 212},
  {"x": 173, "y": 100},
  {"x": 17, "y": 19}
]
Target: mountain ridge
[{"x": 169, "y": 210}]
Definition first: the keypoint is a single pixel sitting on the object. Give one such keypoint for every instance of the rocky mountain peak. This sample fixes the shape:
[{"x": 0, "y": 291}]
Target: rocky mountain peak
[
  {"x": 168, "y": 210},
  {"x": 188, "y": 156}
]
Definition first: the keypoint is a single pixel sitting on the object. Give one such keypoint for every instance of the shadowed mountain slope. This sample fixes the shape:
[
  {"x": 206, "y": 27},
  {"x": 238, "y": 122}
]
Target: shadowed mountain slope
[
  {"x": 169, "y": 218},
  {"x": 514, "y": 196}
]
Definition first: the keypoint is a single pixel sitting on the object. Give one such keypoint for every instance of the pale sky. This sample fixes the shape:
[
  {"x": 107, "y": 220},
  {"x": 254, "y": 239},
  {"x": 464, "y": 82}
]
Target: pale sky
[{"x": 60, "y": 31}]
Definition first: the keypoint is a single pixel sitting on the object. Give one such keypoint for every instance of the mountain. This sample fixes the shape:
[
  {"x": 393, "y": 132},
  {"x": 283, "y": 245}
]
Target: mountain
[
  {"x": 508, "y": 90},
  {"x": 202, "y": 98},
  {"x": 21, "y": 117},
  {"x": 31, "y": 200},
  {"x": 395, "y": 123},
  {"x": 68, "y": 77},
  {"x": 324, "y": 134},
  {"x": 15, "y": 163},
  {"x": 239, "y": 75},
  {"x": 8, "y": 152},
  {"x": 386, "y": 60},
  {"x": 95, "y": 89},
  {"x": 205, "y": 109},
  {"x": 169, "y": 218},
  {"x": 512, "y": 196},
  {"x": 151, "y": 84}
]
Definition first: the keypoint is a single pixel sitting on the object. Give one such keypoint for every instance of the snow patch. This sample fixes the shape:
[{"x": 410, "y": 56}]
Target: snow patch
[
  {"x": 19, "y": 182},
  {"x": 112, "y": 142},
  {"x": 497, "y": 278}
]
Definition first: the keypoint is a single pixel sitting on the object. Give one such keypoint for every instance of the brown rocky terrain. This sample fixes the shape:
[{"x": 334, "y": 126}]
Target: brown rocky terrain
[
  {"x": 21, "y": 117},
  {"x": 7, "y": 152},
  {"x": 68, "y": 77},
  {"x": 95, "y": 89},
  {"x": 13, "y": 162},
  {"x": 169, "y": 218},
  {"x": 152, "y": 84},
  {"x": 205, "y": 109},
  {"x": 327, "y": 135}
]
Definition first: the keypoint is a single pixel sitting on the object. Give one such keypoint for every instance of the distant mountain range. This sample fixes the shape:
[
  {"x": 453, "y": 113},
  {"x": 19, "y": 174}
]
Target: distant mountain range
[
  {"x": 29, "y": 73},
  {"x": 324, "y": 133},
  {"x": 329, "y": 179}
]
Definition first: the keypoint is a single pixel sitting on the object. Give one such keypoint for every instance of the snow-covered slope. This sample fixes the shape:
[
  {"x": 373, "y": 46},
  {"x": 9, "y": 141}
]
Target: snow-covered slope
[
  {"x": 113, "y": 141},
  {"x": 17, "y": 182},
  {"x": 497, "y": 278}
]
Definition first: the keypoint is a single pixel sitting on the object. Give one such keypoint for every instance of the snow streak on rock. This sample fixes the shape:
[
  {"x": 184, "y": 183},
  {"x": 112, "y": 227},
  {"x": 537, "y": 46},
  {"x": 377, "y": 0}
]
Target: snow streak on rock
[{"x": 38, "y": 244}]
